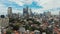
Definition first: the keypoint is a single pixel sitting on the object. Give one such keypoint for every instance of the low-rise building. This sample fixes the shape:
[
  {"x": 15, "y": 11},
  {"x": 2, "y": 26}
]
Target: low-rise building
[{"x": 4, "y": 22}]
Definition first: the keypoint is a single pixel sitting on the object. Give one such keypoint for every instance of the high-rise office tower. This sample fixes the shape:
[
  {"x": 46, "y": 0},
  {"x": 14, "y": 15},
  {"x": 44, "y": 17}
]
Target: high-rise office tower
[
  {"x": 9, "y": 11},
  {"x": 59, "y": 12},
  {"x": 47, "y": 13},
  {"x": 31, "y": 13},
  {"x": 25, "y": 12}
]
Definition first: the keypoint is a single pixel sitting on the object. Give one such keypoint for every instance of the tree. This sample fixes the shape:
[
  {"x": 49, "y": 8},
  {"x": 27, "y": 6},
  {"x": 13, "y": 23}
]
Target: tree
[
  {"x": 16, "y": 26},
  {"x": 8, "y": 31},
  {"x": 27, "y": 27},
  {"x": 36, "y": 22}
]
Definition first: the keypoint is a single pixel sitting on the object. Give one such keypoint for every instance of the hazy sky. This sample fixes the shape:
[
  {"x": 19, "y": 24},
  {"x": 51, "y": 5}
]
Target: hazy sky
[{"x": 38, "y": 6}]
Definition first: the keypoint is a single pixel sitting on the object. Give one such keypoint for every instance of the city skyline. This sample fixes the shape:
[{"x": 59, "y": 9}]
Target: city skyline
[{"x": 38, "y": 6}]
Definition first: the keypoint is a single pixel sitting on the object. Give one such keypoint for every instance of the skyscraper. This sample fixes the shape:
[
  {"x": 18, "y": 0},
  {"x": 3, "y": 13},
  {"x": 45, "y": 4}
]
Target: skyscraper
[
  {"x": 25, "y": 12},
  {"x": 31, "y": 13},
  {"x": 59, "y": 12},
  {"x": 47, "y": 13},
  {"x": 9, "y": 11}
]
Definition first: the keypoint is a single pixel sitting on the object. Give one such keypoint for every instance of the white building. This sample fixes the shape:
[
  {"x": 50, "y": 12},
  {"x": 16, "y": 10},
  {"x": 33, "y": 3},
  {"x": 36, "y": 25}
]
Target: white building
[
  {"x": 37, "y": 32},
  {"x": 22, "y": 29},
  {"x": 4, "y": 22},
  {"x": 0, "y": 29},
  {"x": 44, "y": 33}
]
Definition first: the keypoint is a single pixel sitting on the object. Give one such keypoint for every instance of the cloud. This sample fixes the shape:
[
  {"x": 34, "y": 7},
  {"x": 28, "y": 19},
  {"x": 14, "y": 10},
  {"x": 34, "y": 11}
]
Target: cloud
[
  {"x": 17, "y": 11},
  {"x": 48, "y": 5},
  {"x": 55, "y": 12},
  {"x": 28, "y": 1},
  {"x": 20, "y": 3},
  {"x": 2, "y": 9}
]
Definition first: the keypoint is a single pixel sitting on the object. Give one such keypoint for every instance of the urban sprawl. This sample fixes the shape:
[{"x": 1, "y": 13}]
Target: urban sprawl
[{"x": 29, "y": 22}]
